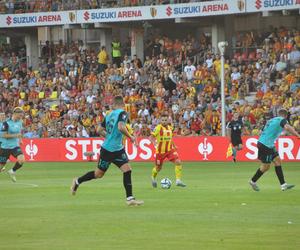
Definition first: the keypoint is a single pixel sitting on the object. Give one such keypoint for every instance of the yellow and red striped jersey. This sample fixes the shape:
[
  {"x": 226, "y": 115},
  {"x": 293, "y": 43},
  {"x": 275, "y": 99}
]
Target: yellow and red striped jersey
[
  {"x": 130, "y": 131},
  {"x": 163, "y": 137}
]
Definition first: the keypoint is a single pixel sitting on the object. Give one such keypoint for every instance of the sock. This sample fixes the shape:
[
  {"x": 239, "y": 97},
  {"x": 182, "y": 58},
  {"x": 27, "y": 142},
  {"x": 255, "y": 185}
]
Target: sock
[
  {"x": 17, "y": 166},
  {"x": 178, "y": 172},
  {"x": 87, "y": 177},
  {"x": 234, "y": 152},
  {"x": 154, "y": 172},
  {"x": 279, "y": 173},
  {"x": 127, "y": 183},
  {"x": 257, "y": 175}
]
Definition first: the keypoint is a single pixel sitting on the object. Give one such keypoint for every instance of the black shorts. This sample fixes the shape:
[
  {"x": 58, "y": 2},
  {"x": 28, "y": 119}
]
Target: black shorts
[
  {"x": 236, "y": 140},
  {"x": 119, "y": 158},
  {"x": 5, "y": 153},
  {"x": 266, "y": 154}
]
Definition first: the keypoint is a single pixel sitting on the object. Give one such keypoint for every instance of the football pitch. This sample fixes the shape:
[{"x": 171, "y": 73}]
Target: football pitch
[{"x": 217, "y": 210}]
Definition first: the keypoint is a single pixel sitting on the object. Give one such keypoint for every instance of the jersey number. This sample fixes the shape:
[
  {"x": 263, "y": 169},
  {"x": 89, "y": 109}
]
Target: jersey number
[{"x": 110, "y": 126}]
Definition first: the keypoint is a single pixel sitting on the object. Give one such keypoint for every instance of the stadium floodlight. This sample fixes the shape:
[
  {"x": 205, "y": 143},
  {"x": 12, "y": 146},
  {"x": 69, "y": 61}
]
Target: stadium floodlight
[{"x": 222, "y": 45}]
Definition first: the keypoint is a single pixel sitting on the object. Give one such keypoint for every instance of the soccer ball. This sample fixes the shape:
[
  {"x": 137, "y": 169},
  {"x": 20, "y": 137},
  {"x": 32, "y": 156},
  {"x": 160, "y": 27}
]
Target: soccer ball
[{"x": 165, "y": 183}]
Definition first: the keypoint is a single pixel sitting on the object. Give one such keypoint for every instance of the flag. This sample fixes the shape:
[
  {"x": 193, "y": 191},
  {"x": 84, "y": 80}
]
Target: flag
[{"x": 229, "y": 151}]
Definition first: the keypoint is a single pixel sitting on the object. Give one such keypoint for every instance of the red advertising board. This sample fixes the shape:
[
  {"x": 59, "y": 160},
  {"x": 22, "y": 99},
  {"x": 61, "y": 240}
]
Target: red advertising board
[{"x": 189, "y": 148}]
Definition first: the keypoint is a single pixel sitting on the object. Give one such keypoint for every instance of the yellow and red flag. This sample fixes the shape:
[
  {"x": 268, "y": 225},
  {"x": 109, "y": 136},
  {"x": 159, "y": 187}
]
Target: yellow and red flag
[{"x": 229, "y": 151}]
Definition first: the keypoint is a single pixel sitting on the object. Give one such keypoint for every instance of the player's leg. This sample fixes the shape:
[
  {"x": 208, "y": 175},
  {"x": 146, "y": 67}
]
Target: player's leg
[
  {"x": 102, "y": 166},
  {"x": 265, "y": 156},
  {"x": 2, "y": 167},
  {"x": 156, "y": 169},
  {"x": 18, "y": 154},
  {"x": 263, "y": 168},
  {"x": 173, "y": 157},
  {"x": 126, "y": 169},
  {"x": 234, "y": 151},
  {"x": 3, "y": 160},
  {"x": 237, "y": 145},
  {"x": 279, "y": 173}
]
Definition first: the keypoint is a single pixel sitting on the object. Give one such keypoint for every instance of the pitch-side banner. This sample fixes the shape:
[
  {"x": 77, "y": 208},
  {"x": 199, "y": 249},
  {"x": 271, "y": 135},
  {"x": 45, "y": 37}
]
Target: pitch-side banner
[
  {"x": 155, "y": 12},
  {"x": 269, "y": 5},
  {"x": 38, "y": 19},
  {"x": 189, "y": 149}
]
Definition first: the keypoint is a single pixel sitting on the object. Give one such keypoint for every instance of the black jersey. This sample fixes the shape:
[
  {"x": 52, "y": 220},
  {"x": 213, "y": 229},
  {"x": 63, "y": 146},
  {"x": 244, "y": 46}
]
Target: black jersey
[{"x": 236, "y": 128}]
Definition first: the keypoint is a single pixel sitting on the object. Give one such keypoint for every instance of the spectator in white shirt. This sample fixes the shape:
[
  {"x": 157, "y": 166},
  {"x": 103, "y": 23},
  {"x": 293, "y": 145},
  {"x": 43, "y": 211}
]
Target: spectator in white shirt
[{"x": 189, "y": 70}]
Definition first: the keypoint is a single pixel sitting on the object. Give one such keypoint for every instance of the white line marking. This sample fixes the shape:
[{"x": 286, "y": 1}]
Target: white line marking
[{"x": 26, "y": 184}]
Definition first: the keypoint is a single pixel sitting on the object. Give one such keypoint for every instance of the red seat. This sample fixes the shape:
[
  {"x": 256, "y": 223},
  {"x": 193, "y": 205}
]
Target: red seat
[
  {"x": 252, "y": 56},
  {"x": 245, "y": 56},
  {"x": 236, "y": 55}
]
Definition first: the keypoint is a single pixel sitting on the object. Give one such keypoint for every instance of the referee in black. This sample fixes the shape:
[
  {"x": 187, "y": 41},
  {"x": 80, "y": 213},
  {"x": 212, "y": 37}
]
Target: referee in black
[{"x": 234, "y": 131}]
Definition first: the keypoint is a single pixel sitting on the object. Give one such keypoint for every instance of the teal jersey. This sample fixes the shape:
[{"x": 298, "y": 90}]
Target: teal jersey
[
  {"x": 1, "y": 132},
  {"x": 113, "y": 140},
  {"x": 11, "y": 127},
  {"x": 272, "y": 131}
]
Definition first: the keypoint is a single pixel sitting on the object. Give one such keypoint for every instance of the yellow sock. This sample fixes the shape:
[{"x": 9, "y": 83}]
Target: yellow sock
[
  {"x": 154, "y": 172},
  {"x": 178, "y": 172}
]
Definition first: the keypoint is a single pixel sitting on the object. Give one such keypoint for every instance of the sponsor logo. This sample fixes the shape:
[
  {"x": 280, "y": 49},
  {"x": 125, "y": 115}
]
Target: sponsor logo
[
  {"x": 187, "y": 10},
  {"x": 75, "y": 149},
  {"x": 215, "y": 8},
  {"x": 241, "y": 5},
  {"x": 205, "y": 148},
  {"x": 8, "y": 20},
  {"x": 72, "y": 16},
  {"x": 86, "y": 16},
  {"x": 153, "y": 12},
  {"x": 258, "y": 4},
  {"x": 112, "y": 15},
  {"x": 169, "y": 11},
  {"x": 34, "y": 19},
  {"x": 274, "y": 3},
  {"x": 31, "y": 150}
]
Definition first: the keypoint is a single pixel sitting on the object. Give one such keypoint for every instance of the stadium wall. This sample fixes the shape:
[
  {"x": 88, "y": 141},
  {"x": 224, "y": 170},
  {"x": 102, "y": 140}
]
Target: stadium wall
[{"x": 200, "y": 148}]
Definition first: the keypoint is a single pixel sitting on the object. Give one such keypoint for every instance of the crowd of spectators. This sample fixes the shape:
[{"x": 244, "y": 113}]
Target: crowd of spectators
[
  {"x": 28, "y": 6},
  {"x": 73, "y": 88}
]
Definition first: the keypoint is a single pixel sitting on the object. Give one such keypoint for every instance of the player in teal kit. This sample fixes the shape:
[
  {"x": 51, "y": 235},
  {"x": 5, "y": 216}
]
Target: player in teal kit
[
  {"x": 11, "y": 134},
  {"x": 267, "y": 152},
  {"x": 2, "y": 120},
  {"x": 112, "y": 151}
]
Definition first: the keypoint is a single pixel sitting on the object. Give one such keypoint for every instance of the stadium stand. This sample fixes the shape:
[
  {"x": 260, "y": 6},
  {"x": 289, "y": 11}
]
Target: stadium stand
[{"x": 69, "y": 94}]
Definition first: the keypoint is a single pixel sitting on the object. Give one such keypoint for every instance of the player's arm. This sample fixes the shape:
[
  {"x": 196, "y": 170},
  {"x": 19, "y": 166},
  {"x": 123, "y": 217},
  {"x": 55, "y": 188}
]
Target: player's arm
[
  {"x": 7, "y": 135},
  {"x": 228, "y": 129},
  {"x": 154, "y": 134},
  {"x": 101, "y": 129},
  {"x": 122, "y": 127},
  {"x": 291, "y": 130},
  {"x": 152, "y": 138}
]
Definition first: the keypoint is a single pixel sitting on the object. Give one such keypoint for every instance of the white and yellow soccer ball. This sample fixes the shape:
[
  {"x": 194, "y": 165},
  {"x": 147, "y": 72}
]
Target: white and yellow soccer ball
[{"x": 165, "y": 183}]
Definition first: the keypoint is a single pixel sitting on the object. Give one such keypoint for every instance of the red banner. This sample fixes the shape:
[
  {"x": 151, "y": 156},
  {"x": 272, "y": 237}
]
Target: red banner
[{"x": 189, "y": 148}]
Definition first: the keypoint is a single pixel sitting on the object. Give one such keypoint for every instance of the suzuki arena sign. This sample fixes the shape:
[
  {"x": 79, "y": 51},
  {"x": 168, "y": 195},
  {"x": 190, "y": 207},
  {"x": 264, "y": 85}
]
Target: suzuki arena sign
[
  {"x": 155, "y": 12},
  {"x": 269, "y": 5},
  {"x": 200, "y": 149},
  {"x": 38, "y": 19}
]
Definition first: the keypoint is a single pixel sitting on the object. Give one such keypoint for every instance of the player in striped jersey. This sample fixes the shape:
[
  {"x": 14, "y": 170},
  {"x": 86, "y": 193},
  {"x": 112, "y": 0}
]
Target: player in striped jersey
[{"x": 165, "y": 149}]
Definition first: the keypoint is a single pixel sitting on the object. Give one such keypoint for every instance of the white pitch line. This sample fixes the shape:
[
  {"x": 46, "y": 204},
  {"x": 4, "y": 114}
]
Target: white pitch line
[{"x": 26, "y": 184}]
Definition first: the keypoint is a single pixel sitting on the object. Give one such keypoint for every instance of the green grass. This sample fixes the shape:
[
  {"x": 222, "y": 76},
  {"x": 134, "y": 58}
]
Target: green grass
[{"x": 217, "y": 210}]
